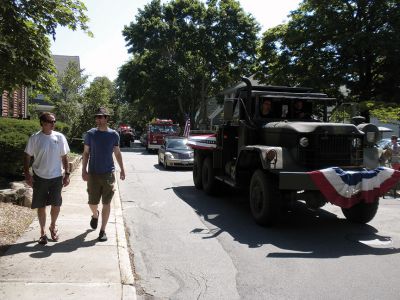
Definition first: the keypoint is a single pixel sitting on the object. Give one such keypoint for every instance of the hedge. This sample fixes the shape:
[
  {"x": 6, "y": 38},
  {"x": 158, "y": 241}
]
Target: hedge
[{"x": 14, "y": 135}]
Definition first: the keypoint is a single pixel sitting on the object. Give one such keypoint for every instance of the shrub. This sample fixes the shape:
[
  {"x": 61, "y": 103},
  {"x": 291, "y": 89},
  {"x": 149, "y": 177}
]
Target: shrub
[{"x": 14, "y": 135}]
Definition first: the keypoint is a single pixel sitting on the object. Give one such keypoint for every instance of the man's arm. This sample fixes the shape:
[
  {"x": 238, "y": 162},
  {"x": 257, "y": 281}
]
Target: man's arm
[
  {"x": 118, "y": 157},
  {"x": 66, "y": 170},
  {"x": 85, "y": 159},
  {"x": 27, "y": 162}
]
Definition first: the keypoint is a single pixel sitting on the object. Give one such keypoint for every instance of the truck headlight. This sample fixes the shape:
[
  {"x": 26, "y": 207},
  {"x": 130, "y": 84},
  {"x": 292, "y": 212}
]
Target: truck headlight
[
  {"x": 356, "y": 142},
  {"x": 371, "y": 137},
  {"x": 304, "y": 142},
  {"x": 371, "y": 133}
]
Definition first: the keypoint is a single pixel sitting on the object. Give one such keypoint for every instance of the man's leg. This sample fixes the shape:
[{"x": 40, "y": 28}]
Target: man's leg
[
  {"x": 95, "y": 212},
  {"x": 105, "y": 214},
  {"x": 41, "y": 212},
  {"x": 54, "y": 212}
]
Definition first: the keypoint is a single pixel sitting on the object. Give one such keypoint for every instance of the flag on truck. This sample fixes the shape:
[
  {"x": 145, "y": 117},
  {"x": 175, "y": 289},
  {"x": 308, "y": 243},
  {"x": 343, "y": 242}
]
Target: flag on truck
[
  {"x": 186, "y": 131},
  {"x": 348, "y": 188}
]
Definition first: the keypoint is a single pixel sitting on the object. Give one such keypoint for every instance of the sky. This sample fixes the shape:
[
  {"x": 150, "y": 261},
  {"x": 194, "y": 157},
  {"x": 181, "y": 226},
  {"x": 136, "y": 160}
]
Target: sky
[{"x": 103, "y": 54}]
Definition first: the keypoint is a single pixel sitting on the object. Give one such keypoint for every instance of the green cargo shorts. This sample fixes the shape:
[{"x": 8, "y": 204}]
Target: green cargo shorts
[{"x": 101, "y": 186}]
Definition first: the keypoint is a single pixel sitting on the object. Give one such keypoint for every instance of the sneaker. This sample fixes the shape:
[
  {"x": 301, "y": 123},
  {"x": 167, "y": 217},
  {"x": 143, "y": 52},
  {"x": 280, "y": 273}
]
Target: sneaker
[
  {"x": 94, "y": 221},
  {"x": 43, "y": 240},
  {"x": 102, "y": 236}
]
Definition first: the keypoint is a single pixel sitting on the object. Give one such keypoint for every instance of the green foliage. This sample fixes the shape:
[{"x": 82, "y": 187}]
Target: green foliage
[
  {"x": 183, "y": 52},
  {"x": 14, "y": 135},
  {"x": 25, "y": 57},
  {"x": 101, "y": 92},
  {"x": 348, "y": 43}
]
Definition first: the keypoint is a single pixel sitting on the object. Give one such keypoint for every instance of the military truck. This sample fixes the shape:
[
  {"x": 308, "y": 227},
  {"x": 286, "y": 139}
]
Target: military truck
[{"x": 272, "y": 157}]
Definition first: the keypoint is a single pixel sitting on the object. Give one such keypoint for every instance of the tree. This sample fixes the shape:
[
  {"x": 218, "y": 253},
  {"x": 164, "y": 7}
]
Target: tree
[
  {"x": 68, "y": 96},
  {"x": 100, "y": 93},
  {"x": 185, "y": 51},
  {"x": 25, "y": 57},
  {"x": 351, "y": 43}
]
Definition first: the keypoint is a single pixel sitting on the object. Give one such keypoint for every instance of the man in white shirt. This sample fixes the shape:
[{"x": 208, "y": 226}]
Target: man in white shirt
[{"x": 49, "y": 150}]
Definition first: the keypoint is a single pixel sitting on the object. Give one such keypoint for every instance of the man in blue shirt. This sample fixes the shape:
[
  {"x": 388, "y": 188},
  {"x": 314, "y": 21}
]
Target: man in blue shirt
[{"x": 100, "y": 143}]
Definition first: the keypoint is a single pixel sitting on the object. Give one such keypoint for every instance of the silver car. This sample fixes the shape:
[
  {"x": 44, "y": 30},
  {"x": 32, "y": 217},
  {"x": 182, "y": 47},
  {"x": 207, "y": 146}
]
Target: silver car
[{"x": 175, "y": 153}]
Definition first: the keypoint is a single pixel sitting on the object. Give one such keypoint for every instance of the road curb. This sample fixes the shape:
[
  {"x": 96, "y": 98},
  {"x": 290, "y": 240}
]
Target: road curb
[{"x": 127, "y": 278}]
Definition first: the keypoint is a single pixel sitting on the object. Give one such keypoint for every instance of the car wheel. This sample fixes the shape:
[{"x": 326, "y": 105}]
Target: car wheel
[
  {"x": 361, "y": 212},
  {"x": 265, "y": 202}
]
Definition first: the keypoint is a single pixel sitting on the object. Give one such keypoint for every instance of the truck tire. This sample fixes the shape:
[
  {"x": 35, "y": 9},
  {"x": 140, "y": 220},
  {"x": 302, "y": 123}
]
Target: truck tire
[
  {"x": 265, "y": 202},
  {"x": 361, "y": 212},
  {"x": 197, "y": 172},
  {"x": 208, "y": 177}
]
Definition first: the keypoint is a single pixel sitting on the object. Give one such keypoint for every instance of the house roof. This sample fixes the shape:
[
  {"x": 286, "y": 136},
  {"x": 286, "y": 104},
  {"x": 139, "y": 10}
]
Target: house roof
[{"x": 61, "y": 62}]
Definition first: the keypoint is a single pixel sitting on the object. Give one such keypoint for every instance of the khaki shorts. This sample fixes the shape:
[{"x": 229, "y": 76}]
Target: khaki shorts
[{"x": 101, "y": 186}]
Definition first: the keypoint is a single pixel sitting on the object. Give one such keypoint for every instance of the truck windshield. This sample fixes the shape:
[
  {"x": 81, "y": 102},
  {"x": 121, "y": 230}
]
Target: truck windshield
[{"x": 164, "y": 128}]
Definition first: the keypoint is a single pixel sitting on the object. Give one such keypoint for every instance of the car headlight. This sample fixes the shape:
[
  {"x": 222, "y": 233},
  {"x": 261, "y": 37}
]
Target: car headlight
[
  {"x": 304, "y": 142},
  {"x": 169, "y": 155},
  {"x": 191, "y": 154}
]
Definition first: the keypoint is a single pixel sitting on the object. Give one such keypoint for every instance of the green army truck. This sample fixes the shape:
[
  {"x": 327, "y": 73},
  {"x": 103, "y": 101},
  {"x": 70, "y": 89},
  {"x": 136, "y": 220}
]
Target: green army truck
[{"x": 274, "y": 157}]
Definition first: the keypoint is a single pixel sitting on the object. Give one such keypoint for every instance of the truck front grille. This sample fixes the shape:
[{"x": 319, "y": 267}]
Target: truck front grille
[{"x": 331, "y": 150}]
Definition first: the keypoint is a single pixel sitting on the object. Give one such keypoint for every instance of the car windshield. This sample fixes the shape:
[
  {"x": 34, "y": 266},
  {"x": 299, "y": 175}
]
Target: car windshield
[
  {"x": 385, "y": 143},
  {"x": 178, "y": 144}
]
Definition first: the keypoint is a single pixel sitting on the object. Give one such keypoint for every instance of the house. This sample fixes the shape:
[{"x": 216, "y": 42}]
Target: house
[
  {"x": 61, "y": 62},
  {"x": 15, "y": 104}
]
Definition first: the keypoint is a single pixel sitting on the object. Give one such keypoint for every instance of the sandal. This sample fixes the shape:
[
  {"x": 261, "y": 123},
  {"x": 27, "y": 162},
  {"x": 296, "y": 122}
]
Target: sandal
[
  {"x": 54, "y": 234},
  {"x": 43, "y": 240}
]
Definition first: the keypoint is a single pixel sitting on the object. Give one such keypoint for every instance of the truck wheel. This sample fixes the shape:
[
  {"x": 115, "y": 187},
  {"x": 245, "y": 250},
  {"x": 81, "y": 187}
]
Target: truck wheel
[
  {"x": 264, "y": 199},
  {"x": 208, "y": 178},
  {"x": 361, "y": 212},
  {"x": 197, "y": 170}
]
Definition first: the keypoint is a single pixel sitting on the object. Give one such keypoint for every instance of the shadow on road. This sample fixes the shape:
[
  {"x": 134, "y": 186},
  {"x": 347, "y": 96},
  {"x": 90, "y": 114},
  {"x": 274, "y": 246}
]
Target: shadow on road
[{"x": 308, "y": 234}]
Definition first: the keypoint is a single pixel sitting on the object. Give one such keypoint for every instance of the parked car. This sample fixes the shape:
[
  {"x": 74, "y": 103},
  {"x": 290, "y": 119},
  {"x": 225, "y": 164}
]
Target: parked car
[{"x": 175, "y": 152}]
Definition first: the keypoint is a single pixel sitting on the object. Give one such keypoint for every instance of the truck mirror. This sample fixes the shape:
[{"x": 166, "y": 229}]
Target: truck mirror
[{"x": 228, "y": 110}]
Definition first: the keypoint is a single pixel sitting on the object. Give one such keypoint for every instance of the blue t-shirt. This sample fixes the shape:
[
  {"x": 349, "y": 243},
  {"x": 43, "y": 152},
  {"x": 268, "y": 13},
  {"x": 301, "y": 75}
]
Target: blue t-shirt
[{"x": 101, "y": 145}]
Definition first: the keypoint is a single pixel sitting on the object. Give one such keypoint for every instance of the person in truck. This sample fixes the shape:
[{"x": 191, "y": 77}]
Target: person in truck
[{"x": 266, "y": 108}]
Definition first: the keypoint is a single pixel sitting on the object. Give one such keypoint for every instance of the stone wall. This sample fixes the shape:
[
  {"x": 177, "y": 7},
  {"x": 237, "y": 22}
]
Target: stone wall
[{"x": 20, "y": 193}]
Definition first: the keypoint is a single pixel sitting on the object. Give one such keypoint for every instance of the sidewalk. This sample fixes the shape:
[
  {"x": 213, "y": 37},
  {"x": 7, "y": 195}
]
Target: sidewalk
[{"x": 75, "y": 267}]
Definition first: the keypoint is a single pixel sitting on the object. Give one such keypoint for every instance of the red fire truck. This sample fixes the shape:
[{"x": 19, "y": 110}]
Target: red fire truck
[{"x": 157, "y": 130}]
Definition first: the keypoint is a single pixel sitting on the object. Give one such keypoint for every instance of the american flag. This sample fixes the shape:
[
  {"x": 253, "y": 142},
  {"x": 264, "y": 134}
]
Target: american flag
[
  {"x": 348, "y": 188},
  {"x": 187, "y": 128}
]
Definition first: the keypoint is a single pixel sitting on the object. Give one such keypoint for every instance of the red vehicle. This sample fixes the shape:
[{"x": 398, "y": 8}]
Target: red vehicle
[
  {"x": 126, "y": 135},
  {"x": 157, "y": 130}
]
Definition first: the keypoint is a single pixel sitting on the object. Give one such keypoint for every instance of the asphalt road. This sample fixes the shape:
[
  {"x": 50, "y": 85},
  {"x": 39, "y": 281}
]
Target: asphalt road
[{"x": 187, "y": 245}]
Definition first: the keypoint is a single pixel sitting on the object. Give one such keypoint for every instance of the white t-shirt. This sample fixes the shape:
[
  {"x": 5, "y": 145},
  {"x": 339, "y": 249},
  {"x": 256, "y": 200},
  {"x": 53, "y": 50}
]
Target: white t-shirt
[{"x": 47, "y": 151}]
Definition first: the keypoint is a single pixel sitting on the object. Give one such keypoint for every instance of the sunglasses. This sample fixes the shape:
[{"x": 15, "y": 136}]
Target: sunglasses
[
  {"x": 100, "y": 117},
  {"x": 50, "y": 121}
]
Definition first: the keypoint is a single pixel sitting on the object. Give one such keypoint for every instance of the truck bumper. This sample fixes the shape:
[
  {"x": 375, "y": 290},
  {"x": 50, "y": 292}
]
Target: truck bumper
[
  {"x": 296, "y": 181},
  {"x": 153, "y": 146}
]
